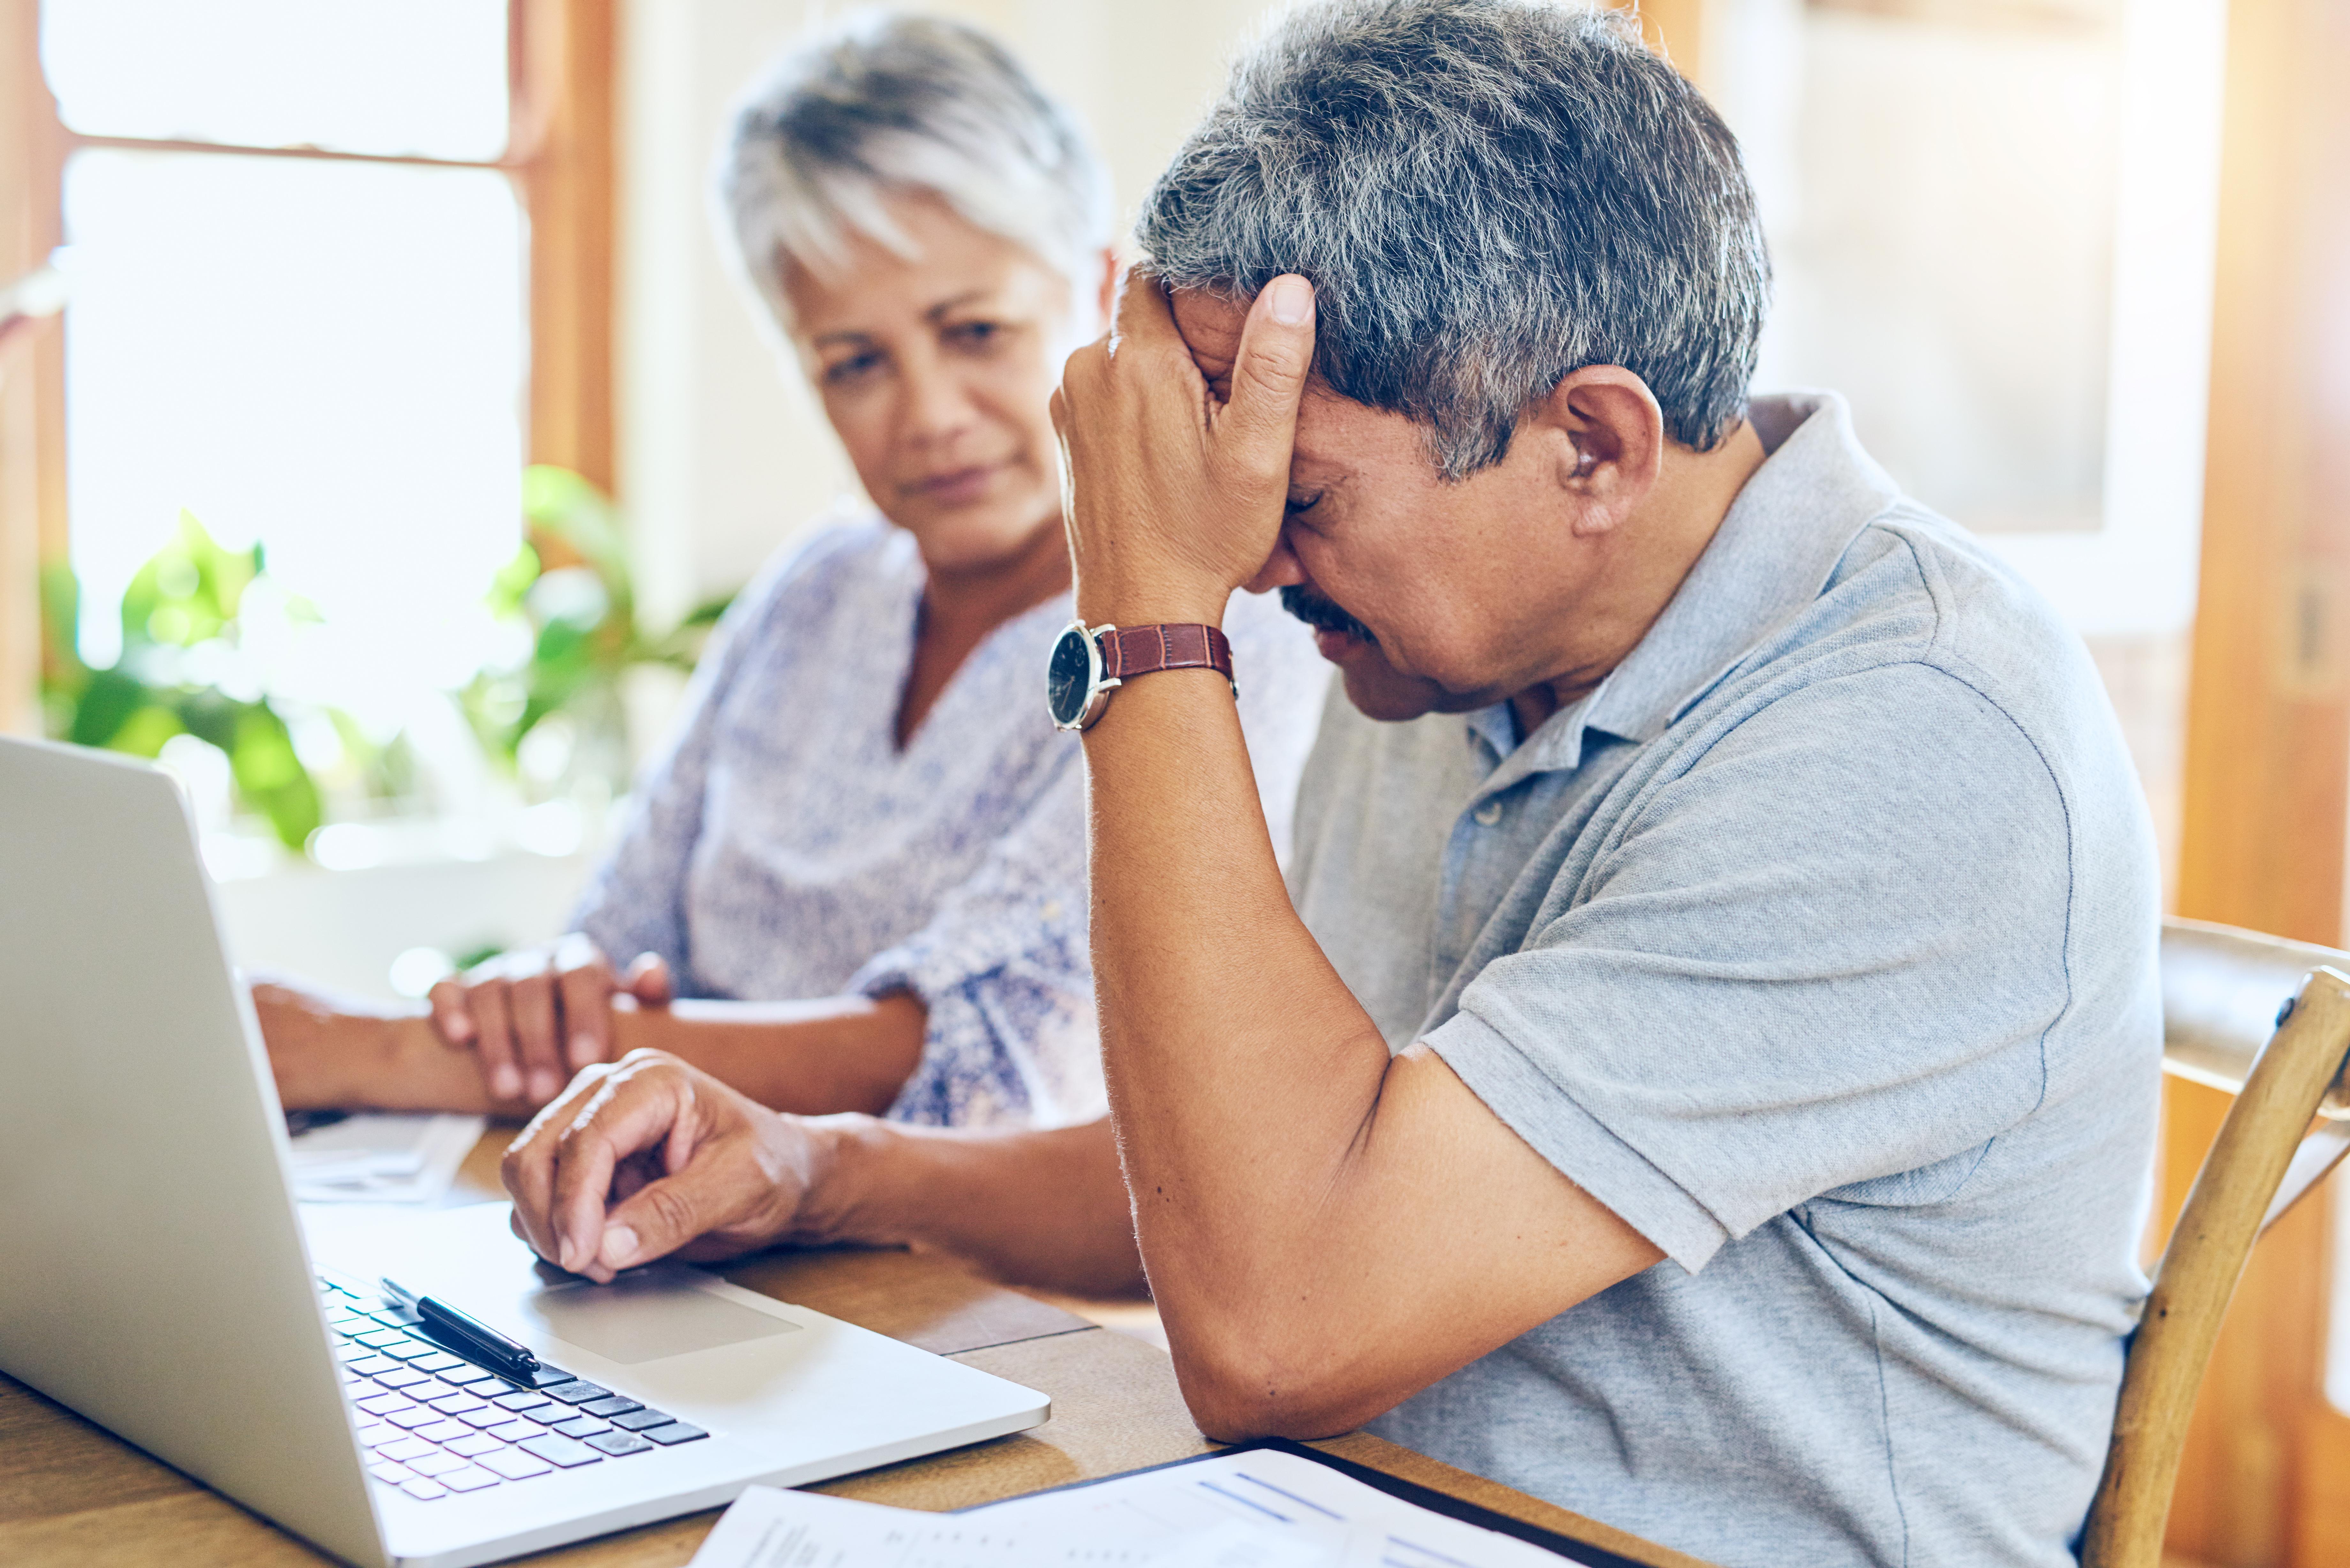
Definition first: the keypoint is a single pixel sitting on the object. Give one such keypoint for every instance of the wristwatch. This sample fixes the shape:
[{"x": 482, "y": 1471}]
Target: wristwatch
[{"x": 1089, "y": 663}]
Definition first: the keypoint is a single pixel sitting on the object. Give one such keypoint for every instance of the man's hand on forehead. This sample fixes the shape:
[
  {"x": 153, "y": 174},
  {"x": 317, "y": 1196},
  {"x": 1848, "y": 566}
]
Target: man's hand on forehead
[
  {"x": 1210, "y": 328},
  {"x": 1176, "y": 438}
]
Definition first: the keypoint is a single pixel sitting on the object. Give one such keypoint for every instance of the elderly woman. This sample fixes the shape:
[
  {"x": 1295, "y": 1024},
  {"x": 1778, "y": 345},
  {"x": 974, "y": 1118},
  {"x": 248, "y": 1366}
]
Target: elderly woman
[{"x": 855, "y": 882}]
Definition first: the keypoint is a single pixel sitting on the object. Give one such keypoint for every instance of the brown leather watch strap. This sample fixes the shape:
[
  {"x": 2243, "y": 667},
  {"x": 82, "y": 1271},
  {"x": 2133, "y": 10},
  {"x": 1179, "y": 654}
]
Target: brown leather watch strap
[{"x": 1132, "y": 650}]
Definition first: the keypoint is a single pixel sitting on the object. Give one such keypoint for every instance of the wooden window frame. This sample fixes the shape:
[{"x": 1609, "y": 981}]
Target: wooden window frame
[{"x": 561, "y": 157}]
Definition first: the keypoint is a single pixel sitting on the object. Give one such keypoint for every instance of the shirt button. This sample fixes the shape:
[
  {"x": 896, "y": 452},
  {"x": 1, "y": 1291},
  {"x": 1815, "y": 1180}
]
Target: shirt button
[{"x": 1489, "y": 813}]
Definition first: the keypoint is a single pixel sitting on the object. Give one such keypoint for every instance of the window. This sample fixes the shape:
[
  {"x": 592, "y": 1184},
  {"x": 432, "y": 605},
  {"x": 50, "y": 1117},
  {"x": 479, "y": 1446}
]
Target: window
[
  {"x": 1992, "y": 224},
  {"x": 339, "y": 271},
  {"x": 323, "y": 357}
]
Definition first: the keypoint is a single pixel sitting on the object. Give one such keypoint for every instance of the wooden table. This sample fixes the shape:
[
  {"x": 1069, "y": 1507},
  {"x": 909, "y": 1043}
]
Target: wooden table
[{"x": 71, "y": 1493}]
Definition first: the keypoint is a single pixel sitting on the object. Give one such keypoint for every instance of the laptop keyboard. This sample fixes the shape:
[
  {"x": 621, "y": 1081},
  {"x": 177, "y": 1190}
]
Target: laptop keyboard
[{"x": 434, "y": 1423}]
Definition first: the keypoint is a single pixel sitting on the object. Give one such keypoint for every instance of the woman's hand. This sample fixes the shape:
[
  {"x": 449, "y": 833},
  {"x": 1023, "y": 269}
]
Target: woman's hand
[
  {"x": 649, "y": 1156},
  {"x": 536, "y": 1016}
]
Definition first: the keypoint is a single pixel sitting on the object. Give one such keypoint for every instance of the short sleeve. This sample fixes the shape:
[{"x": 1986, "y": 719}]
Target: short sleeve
[
  {"x": 1825, "y": 951},
  {"x": 1004, "y": 968}
]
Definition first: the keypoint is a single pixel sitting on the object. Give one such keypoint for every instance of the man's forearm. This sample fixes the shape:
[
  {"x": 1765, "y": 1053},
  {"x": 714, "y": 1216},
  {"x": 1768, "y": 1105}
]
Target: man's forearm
[
  {"x": 846, "y": 1054},
  {"x": 1042, "y": 1209},
  {"x": 1243, "y": 1077},
  {"x": 1241, "y": 1069}
]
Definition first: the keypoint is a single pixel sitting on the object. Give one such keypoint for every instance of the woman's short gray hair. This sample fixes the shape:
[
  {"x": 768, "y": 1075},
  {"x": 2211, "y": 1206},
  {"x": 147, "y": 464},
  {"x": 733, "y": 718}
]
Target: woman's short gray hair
[
  {"x": 1487, "y": 195},
  {"x": 887, "y": 104}
]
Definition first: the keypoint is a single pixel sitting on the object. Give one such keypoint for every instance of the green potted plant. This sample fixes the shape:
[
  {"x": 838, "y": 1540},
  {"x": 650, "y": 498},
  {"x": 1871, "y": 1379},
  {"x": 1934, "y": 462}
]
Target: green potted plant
[
  {"x": 186, "y": 598},
  {"x": 570, "y": 582},
  {"x": 183, "y": 626}
]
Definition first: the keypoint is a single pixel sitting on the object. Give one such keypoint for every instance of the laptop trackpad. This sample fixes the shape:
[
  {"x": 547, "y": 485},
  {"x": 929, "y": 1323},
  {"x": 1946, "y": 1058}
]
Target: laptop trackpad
[{"x": 649, "y": 1315}]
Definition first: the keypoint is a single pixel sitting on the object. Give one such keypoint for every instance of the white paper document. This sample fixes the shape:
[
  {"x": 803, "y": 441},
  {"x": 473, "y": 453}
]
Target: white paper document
[
  {"x": 381, "y": 1158},
  {"x": 1254, "y": 1508}
]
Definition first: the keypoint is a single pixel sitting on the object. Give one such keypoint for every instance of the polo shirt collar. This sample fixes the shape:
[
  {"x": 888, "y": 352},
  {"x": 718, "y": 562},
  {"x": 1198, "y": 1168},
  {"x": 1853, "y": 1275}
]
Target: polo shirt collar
[{"x": 1771, "y": 556}]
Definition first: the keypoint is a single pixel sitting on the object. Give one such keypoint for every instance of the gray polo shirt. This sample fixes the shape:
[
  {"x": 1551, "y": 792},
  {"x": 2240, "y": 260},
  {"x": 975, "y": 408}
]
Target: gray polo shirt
[{"x": 1818, "y": 943}]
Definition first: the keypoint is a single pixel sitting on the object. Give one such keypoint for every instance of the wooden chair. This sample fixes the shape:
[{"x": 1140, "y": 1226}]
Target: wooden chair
[{"x": 2268, "y": 1020}]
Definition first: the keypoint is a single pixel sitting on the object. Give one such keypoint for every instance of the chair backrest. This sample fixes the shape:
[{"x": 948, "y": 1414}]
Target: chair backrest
[
  {"x": 2231, "y": 1018},
  {"x": 2222, "y": 988}
]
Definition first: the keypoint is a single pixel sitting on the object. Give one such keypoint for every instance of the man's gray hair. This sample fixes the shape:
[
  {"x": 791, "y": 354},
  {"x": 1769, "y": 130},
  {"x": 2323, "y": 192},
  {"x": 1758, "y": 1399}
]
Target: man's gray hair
[
  {"x": 1487, "y": 195},
  {"x": 887, "y": 104}
]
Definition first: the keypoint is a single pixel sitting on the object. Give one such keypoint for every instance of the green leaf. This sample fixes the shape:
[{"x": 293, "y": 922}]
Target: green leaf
[
  {"x": 493, "y": 703},
  {"x": 221, "y": 576},
  {"x": 512, "y": 582},
  {"x": 143, "y": 733},
  {"x": 140, "y": 602},
  {"x": 573, "y": 509},
  {"x": 271, "y": 776},
  {"x": 562, "y": 668},
  {"x": 210, "y": 716},
  {"x": 295, "y": 812},
  {"x": 572, "y": 594},
  {"x": 681, "y": 648},
  {"x": 263, "y": 751},
  {"x": 188, "y": 591},
  {"x": 61, "y": 662},
  {"x": 107, "y": 704},
  {"x": 709, "y": 612},
  {"x": 481, "y": 953}
]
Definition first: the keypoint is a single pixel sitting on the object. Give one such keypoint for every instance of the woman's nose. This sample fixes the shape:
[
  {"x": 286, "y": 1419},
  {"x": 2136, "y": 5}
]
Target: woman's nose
[{"x": 938, "y": 407}]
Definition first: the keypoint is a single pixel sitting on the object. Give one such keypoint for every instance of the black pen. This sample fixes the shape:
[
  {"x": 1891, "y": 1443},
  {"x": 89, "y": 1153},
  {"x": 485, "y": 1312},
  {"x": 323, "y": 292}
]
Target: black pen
[{"x": 502, "y": 1356}]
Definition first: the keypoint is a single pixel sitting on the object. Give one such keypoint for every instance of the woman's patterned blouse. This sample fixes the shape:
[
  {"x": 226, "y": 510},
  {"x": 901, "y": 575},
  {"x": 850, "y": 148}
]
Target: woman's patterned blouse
[{"x": 784, "y": 847}]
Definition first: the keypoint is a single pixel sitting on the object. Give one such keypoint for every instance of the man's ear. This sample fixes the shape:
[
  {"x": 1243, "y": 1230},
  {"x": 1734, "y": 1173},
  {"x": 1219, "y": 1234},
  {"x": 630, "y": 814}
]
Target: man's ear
[{"x": 1604, "y": 435}]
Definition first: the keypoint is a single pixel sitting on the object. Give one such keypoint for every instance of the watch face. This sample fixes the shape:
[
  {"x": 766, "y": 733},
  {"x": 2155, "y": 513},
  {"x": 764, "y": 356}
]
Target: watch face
[{"x": 1069, "y": 677}]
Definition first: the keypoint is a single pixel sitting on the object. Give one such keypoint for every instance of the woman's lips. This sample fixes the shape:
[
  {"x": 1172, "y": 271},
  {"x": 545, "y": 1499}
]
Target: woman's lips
[{"x": 958, "y": 487}]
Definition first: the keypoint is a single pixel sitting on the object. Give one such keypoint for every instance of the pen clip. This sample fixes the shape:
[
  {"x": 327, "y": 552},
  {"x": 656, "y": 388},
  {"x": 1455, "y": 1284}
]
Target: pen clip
[{"x": 448, "y": 1322}]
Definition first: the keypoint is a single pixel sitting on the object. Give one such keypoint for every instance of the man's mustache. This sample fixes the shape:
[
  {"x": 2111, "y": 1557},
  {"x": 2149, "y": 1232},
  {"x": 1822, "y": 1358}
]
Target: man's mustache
[{"x": 1322, "y": 615}]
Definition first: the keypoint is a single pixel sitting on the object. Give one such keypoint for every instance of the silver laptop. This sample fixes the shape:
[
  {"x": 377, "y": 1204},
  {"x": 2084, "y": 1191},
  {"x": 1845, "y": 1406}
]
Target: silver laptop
[{"x": 155, "y": 1273}]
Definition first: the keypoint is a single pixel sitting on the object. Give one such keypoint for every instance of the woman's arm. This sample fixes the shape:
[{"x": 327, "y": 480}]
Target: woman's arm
[
  {"x": 810, "y": 1058},
  {"x": 813, "y": 1058},
  {"x": 1000, "y": 965}
]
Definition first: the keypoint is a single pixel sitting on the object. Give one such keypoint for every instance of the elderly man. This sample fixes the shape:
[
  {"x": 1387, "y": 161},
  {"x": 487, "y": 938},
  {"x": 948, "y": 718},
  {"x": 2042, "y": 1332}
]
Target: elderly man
[{"x": 1702, "y": 1070}]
